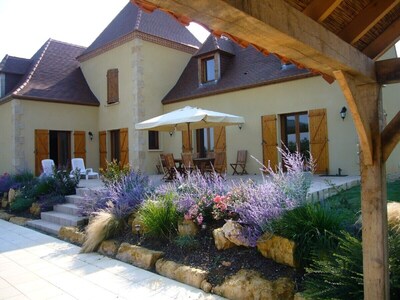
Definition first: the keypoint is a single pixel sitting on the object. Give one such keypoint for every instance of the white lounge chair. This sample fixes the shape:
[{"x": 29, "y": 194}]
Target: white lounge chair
[
  {"x": 78, "y": 163},
  {"x": 48, "y": 167}
]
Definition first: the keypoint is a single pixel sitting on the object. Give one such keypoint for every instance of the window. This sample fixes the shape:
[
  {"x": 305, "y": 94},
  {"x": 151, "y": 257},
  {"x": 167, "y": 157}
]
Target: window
[
  {"x": 208, "y": 69},
  {"x": 154, "y": 142},
  {"x": 295, "y": 132},
  {"x": 115, "y": 145},
  {"x": 112, "y": 86},
  {"x": 205, "y": 141}
]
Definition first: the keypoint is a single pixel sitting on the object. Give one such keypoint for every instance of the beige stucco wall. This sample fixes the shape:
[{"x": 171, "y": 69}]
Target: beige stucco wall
[
  {"x": 288, "y": 97},
  {"x": 6, "y": 132},
  {"x": 53, "y": 116},
  {"x": 147, "y": 71}
]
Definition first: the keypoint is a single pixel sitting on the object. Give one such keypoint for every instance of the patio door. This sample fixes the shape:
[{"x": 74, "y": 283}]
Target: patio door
[
  {"x": 60, "y": 147},
  {"x": 295, "y": 132}
]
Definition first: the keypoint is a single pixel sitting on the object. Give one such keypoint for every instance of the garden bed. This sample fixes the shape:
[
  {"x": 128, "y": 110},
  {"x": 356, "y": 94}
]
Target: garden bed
[{"x": 201, "y": 253}]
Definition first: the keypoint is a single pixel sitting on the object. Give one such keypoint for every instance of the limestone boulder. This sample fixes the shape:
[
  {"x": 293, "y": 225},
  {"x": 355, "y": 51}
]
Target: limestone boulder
[
  {"x": 233, "y": 232},
  {"x": 221, "y": 242},
  {"x": 35, "y": 209},
  {"x": 248, "y": 284},
  {"x": 19, "y": 220},
  {"x": 11, "y": 195},
  {"x": 5, "y": 216},
  {"x": 277, "y": 248},
  {"x": 138, "y": 256},
  {"x": 108, "y": 248},
  {"x": 181, "y": 273},
  {"x": 4, "y": 200},
  {"x": 206, "y": 286},
  {"x": 299, "y": 296},
  {"x": 71, "y": 234},
  {"x": 188, "y": 227}
]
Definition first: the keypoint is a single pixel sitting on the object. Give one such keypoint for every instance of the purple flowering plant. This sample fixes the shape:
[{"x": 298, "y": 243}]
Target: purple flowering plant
[{"x": 280, "y": 191}]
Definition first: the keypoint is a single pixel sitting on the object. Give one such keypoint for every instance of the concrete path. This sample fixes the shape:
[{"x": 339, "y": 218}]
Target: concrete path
[{"x": 37, "y": 266}]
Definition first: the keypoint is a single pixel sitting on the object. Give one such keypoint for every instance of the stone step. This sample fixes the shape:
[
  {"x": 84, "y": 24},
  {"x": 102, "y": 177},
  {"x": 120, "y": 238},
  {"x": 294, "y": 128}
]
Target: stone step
[
  {"x": 67, "y": 208},
  {"x": 89, "y": 192},
  {"x": 74, "y": 199},
  {"x": 45, "y": 226},
  {"x": 62, "y": 219}
]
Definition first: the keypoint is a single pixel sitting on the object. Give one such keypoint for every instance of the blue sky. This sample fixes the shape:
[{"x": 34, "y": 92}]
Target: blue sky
[{"x": 28, "y": 24}]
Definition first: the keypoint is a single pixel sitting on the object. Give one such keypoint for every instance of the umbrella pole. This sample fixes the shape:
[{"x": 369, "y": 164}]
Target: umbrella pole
[{"x": 189, "y": 137}]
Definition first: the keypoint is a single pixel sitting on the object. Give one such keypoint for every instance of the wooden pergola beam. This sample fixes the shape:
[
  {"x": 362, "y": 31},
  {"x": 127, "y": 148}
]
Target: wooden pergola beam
[
  {"x": 390, "y": 136},
  {"x": 384, "y": 41},
  {"x": 278, "y": 28},
  {"x": 319, "y": 10},
  {"x": 367, "y": 19},
  {"x": 359, "y": 111},
  {"x": 388, "y": 71}
]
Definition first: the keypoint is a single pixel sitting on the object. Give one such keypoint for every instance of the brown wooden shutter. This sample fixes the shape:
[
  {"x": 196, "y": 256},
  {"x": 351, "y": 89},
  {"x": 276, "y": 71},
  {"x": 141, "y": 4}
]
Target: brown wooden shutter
[
  {"x": 186, "y": 147},
  {"x": 112, "y": 86},
  {"x": 103, "y": 149},
  {"x": 319, "y": 140},
  {"x": 124, "y": 146},
  {"x": 220, "y": 141},
  {"x": 80, "y": 144},
  {"x": 41, "y": 149},
  {"x": 269, "y": 141}
]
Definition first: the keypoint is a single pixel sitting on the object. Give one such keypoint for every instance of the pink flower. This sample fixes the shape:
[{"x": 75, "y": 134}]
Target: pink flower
[
  {"x": 199, "y": 219},
  {"x": 187, "y": 216},
  {"x": 217, "y": 199}
]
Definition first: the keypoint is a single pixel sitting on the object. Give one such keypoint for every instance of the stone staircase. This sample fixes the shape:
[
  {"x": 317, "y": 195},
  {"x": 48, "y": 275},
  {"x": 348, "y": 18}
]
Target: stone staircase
[{"x": 66, "y": 214}]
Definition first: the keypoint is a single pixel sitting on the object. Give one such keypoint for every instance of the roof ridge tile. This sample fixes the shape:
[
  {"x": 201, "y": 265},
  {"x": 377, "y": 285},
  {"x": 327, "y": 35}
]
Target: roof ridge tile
[{"x": 34, "y": 68}]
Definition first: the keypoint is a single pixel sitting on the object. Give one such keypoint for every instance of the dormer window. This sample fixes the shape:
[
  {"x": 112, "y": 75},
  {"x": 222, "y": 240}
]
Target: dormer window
[{"x": 208, "y": 65}]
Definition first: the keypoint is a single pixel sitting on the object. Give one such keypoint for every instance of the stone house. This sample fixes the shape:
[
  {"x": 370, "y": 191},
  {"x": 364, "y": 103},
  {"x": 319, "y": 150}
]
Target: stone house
[{"x": 68, "y": 101}]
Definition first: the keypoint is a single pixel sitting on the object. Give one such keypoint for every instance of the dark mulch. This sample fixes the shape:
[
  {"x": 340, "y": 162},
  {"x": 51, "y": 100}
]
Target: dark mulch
[{"x": 220, "y": 264}]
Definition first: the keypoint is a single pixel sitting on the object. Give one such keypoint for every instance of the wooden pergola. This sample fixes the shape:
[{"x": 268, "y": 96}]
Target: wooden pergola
[{"x": 341, "y": 40}]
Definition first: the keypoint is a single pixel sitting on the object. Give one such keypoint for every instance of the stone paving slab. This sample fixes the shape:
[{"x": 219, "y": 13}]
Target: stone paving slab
[{"x": 37, "y": 266}]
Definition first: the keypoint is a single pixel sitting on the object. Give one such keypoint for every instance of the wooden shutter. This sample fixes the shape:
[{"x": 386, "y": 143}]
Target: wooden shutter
[
  {"x": 186, "y": 147},
  {"x": 80, "y": 144},
  {"x": 269, "y": 141},
  {"x": 112, "y": 86},
  {"x": 41, "y": 149},
  {"x": 103, "y": 149},
  {"x": 319, "y": 140},
  {"x": 220, "y": 141},
  {"x": 123, "y": 146}
]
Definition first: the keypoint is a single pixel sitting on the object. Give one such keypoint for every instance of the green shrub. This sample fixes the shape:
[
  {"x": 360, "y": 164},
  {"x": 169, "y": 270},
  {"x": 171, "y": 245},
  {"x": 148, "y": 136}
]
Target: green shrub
[
  {"x": 160, "y": 216},
  {"x": 21, "y": 203},
  {"x": 340, "y": 276},
  {"x": 114, "y": 172},
  {"x": 313, "y": 227}
]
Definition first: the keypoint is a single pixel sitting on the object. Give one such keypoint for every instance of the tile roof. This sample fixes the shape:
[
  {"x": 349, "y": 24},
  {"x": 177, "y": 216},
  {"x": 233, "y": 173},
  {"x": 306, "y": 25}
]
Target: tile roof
[
  {"x": 241, "y": 68},
  {"x": 14, "y": 65},
  {"x": 55, "y": 75},
  {"x": 132, "y": 18}
]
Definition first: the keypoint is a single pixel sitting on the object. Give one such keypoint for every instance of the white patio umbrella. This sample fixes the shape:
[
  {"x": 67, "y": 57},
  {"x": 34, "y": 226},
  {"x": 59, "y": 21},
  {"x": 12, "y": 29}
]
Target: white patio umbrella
[{"x": 189, "y": 118}]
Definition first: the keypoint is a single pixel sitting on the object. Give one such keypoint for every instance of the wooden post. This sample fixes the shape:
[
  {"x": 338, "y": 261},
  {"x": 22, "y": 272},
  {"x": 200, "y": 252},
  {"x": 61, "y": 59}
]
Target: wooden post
[{"x": 365, "y": 104}]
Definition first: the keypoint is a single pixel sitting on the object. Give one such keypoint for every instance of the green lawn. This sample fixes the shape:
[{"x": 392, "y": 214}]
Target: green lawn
[{"x": 348, "y": 203}]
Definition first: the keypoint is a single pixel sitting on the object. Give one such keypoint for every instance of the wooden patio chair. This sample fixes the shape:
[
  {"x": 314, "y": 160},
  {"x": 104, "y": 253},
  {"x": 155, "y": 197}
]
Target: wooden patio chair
[
  {"x": 219, "y": 165},
  {"x": 170, "y": 168},
  {"x": 240, "y": 162},
  {"x": 163, "y": 166},
  {"x": 187, "y": 162}
]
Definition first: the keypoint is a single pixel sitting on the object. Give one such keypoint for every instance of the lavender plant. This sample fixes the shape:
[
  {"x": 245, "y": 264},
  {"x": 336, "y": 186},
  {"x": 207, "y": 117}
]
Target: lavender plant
[
  {"x": 112, "y": 208},
  {"x": 194, "y": 194},
  {"x": 278, "y": 193}
]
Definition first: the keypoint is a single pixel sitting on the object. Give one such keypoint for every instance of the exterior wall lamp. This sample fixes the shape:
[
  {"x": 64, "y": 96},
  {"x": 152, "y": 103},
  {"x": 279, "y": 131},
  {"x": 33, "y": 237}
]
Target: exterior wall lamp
[
  {"x": 240, "y": 126},
  {"x": 343, "y": 112},
  {"x": 90, "y": 135},
  {"x": 171, "y": 133}
]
